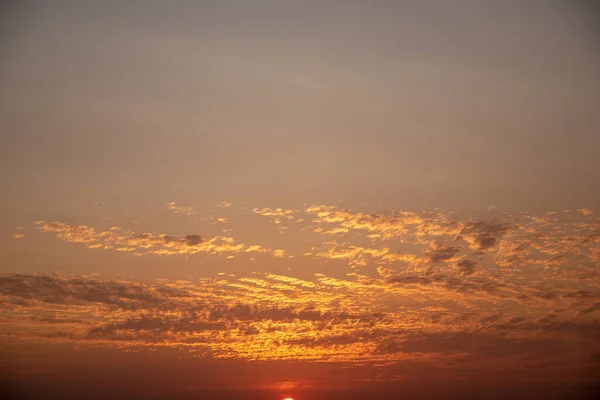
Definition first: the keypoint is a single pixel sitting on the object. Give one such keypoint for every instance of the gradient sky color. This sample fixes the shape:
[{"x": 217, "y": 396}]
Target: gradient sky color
[{"x": 315, "y": 199}]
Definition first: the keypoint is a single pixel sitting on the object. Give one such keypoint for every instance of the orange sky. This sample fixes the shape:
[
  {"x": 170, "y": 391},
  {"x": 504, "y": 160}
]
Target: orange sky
[{"x": 317, "y": 200}]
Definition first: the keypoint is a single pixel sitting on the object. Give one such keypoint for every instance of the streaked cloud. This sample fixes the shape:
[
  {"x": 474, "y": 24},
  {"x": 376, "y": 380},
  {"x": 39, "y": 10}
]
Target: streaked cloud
[
  {"x": 276, "y": 215},
  {"x": 148, "y": 243},
  {"x": 173, "y": 207},
  {"x": 429, "y": 287},
  {"x": 271, "y": 317}
]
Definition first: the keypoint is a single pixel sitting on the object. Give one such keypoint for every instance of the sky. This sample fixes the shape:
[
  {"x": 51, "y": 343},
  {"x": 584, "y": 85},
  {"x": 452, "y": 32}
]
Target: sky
[{"x": 307, "y": 199}]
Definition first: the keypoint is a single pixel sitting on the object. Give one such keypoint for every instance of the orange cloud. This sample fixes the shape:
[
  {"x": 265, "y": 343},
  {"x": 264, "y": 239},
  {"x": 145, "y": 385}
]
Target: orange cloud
[
  {"x": 180, "y": 209},
  {"x": 430, "y": 288},
  {"x": 148, "y": 243},
  {"x": 273, "y": 317}
]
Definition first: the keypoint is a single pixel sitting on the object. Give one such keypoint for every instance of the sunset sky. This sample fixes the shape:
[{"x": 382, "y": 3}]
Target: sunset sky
[{"x": 252, "y": 199}]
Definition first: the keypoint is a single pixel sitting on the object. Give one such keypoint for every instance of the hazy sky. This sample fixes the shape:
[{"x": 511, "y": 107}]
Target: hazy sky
[{"x": 358, "y": 194}]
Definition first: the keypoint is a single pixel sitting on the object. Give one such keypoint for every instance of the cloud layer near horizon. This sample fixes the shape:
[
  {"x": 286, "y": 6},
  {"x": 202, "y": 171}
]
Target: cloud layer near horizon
[
  {"x": 271, "y": 317},
  {"x": 432, "y": 288}
]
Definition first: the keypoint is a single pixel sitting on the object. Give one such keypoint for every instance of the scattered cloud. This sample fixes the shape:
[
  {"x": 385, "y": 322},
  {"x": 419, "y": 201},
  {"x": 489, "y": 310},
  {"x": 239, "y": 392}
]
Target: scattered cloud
[
  {"x": 376, "y": 225},
  {"x": 466, "y": 266},
  {"x": 513, "y": 290},
  {"x": 173, "y": 207},
  {"x": 585, "y": 211},
  {"x": 277, "y": 215},
  {"x": 148, "y": 243},
  {"x": 438, "y": 252},
  {"x": 273, "y": 317}
]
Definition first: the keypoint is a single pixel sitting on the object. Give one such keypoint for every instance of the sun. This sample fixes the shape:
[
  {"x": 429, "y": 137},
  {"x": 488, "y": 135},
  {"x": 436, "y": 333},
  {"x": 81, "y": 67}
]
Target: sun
[{"x": 288, "y": 398}]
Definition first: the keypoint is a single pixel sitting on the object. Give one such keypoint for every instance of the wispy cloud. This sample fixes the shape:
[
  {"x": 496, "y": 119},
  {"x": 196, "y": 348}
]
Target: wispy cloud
[
  {"x": 270, "y": 317},
  {"x": 429, "y": 287},
  {"x": 148, "y": 243},
  {"x": 173, "y": 207}
]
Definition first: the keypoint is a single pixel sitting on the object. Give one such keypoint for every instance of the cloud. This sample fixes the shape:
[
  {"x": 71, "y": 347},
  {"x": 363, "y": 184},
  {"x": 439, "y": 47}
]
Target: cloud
[
  {"x": 376, "y": 225},
  {"x": 438, "y": 252},
  {"x": 173, "y": 207},
  {"x": 483, "y": 235},
  {"x": 407, "y": 280},
  {"x": 193, "y": 240},
  {"x": 75, "y": 290},
  {"x": 148, "y": 243},
  {"x": 437, "y": 257},
  {"x": 357, "y": 256},
  {"x": 481, "y": 347},
  {"x": 565, "y": 245},
  {"x": 271, "y": 317},
  {"x": 466, "y": 266},
  {"x": 277, "y": 215},
  {"x": 515, "y": 291}
]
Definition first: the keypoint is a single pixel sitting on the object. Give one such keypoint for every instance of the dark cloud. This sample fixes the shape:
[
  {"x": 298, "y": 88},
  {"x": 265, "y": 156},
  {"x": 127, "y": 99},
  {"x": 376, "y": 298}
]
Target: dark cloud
[
  {"x": 333, "y": 340},
  {"x": 410, "y": 280},
  {"x": 483, "y": 234},
  {"x": 158, "y": 325},
  {"x": 247, "y": 312},
  {"x": 451, "y": 283},
  {"x": 73, "y": 290},
  {"x": 546, "y": 294},
  {"x": 483, "y": 346},
  {"x": 466, "y": 266},
  {"x": 192, "y": 240},
  {"x": 593, "y": 308},
  {"x": 440, "y": 252}
]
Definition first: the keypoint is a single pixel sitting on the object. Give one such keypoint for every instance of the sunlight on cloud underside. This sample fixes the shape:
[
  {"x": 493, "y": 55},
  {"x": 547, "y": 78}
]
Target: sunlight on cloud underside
[{"x": 426, "y": 287}]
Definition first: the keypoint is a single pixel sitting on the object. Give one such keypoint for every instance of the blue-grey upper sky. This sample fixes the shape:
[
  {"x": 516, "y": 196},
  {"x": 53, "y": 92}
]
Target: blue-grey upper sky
[{"x": 406, "y": 104}]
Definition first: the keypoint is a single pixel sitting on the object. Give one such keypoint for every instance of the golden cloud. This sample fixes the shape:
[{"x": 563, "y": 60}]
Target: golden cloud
[{"x": 427, "y": 287}]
